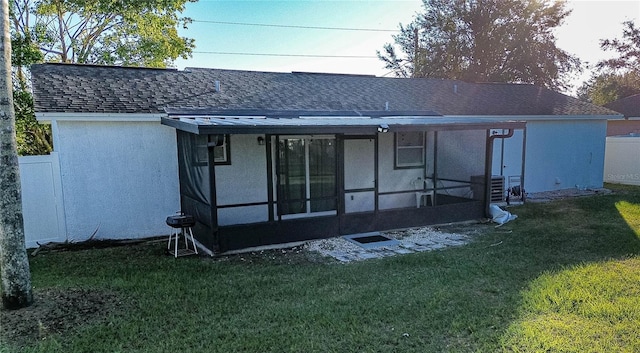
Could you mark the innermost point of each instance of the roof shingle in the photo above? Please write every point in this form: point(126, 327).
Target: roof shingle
point(629, 106)
point(103, 89)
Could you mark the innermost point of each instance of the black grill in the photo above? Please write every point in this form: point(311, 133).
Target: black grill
point(181, 221)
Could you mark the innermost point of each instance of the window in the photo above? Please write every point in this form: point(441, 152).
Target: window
point(221, 153)
point(220, 146)
point(409, 149)
point(307, 176)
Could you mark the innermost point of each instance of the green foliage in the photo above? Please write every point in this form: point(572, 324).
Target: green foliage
point(608, 87)
point(23, 51)
point(32, 137)
point(618, 77)
point(627, 48)
point(105, 32)
point(484, 41)
point(128, 33)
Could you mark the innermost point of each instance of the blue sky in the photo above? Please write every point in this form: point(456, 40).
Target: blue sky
point(589, 22)
point(253, 39)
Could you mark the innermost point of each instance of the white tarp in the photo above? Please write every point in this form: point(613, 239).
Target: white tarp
point(500, 216)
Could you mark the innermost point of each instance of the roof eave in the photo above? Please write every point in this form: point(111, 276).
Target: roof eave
point(543, 117)
point(65, 116)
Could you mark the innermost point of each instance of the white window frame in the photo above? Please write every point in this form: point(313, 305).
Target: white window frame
point(399, 147)
point(202, 150)
point(225, 152)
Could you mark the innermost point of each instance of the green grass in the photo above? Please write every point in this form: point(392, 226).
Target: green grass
point(563, 277)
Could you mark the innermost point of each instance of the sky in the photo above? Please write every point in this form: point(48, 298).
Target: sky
point(222, 31)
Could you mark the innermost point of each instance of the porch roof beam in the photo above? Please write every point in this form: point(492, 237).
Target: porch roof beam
point(332, 125)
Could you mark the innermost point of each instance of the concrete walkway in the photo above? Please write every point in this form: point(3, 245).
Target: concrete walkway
point(408, 241)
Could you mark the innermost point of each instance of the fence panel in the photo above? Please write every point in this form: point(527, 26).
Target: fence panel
point(42, 200)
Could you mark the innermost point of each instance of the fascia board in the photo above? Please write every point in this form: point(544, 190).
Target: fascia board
point(150, 117)
point(540, 117)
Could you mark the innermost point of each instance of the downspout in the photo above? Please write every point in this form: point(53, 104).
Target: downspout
point(524, 154)
point(488, 167)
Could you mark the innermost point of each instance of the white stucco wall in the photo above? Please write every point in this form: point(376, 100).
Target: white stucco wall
point(119, 178)
point(394, 179)
point(561, 154)
point(461, 154)
point(359, 173)
point(243, 181)
point(622, 160)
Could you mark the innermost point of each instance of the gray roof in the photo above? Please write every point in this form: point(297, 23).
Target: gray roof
point(102, 89)
point(629, 106)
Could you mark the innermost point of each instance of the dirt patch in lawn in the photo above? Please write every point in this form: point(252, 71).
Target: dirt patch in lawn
point(56, 311)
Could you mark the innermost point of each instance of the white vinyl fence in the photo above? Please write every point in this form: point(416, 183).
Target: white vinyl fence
point(42, 201)
point(622, 160)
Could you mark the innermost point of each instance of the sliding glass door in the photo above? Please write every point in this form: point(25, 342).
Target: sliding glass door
point(307, 176)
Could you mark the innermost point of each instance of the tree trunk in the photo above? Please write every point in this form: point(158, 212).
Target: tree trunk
point(14, 264)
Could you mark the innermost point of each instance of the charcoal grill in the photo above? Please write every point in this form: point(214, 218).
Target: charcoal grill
point(181, 224)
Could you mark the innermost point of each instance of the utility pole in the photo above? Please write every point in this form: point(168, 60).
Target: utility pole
point(416, 55)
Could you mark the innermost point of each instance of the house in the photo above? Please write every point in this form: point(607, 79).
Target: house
point(622, 158)
point(630, 108)
point(262, 158)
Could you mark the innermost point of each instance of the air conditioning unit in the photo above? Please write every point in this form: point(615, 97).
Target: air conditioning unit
point(497, 187)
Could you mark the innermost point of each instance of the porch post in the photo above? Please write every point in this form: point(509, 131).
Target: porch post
point(340, 207)
point(214, 199)
point(268, 146)
point(377, 175)
point(435, 168)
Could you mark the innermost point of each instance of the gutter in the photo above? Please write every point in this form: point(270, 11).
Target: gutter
point(58, 116)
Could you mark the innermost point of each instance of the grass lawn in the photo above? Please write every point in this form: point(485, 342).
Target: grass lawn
point(563, 277)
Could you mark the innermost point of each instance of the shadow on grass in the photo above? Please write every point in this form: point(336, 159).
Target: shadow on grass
point(490, 295)
point(588, 301)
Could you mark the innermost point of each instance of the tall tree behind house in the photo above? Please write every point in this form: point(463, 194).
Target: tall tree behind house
point(484, 41)
point(618, 77)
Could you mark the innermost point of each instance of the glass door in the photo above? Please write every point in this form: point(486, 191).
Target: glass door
point(307, 176)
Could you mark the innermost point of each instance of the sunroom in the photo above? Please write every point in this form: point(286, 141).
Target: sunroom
point(263, 177)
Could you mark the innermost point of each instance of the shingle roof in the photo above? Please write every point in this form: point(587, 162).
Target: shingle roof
point(629, 106)
point(102, 89)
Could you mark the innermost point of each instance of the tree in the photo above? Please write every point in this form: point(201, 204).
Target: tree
point(14, 264)
point(618, 77)
point(103, 32)
point(484, 41)
point(32, 137)
point(628, 50)
point(604, 88)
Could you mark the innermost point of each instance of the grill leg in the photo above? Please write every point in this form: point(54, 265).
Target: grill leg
point(176, 234)
point(193, 242)
point(175, 250)
point(172, 237)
